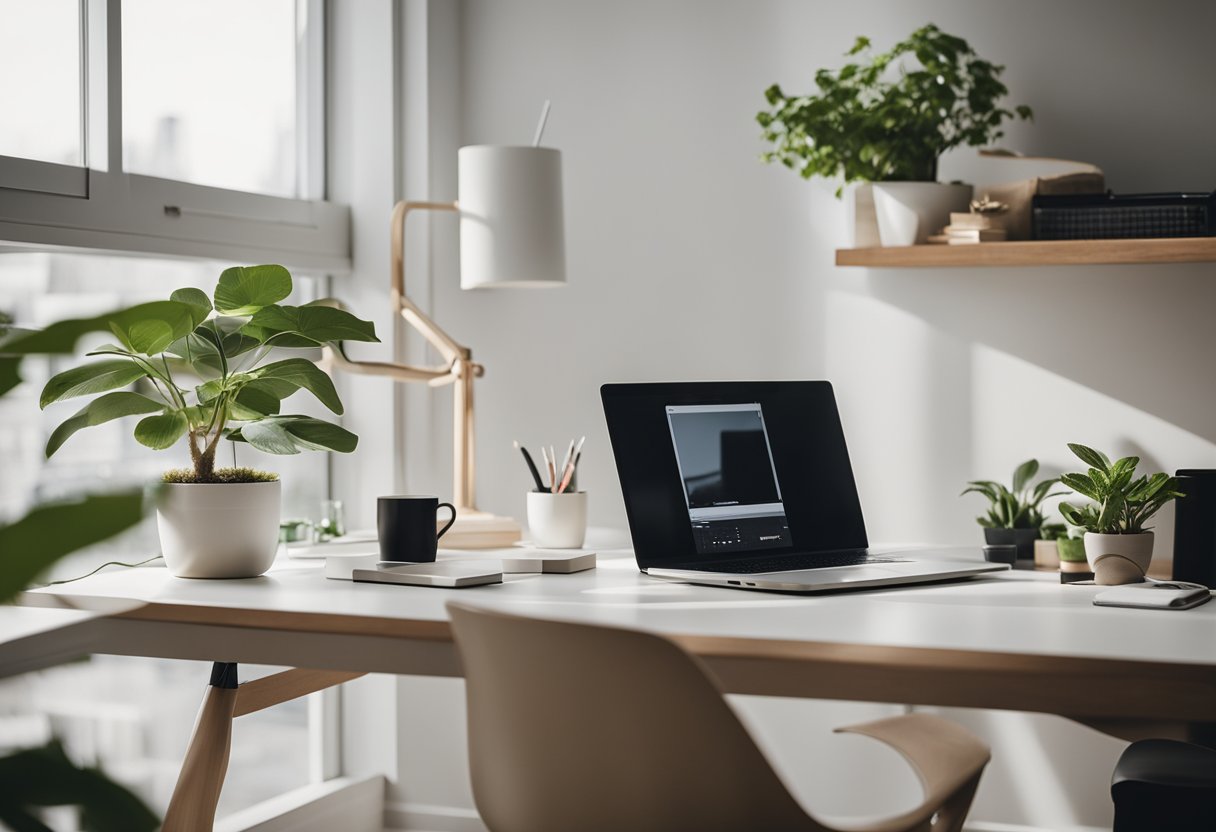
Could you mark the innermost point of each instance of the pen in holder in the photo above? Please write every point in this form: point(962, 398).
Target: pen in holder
point(557, 521)
point(557, 510)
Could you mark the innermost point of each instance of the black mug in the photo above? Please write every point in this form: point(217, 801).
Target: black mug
point(406, 525)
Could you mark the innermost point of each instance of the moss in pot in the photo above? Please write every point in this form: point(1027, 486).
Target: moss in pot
point(1015, 514)
point(1118, 544)
point(201, 368)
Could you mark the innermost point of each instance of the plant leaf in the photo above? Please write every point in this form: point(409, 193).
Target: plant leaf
point(292, 434)
point(243, 290)
point(35, 778)
point(196, 299)
point(10, 373)
point(102, 409)
point(1109, 517)
point(96, 377)
point(307, 326)
point(1092, 458)
point(302, 373)
point(1024, 473)
point(160, 432)
point(32, 544)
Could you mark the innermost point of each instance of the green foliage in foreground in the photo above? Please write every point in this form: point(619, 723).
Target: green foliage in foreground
point(37, 778)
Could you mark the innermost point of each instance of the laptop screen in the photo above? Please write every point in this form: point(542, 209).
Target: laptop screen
point(725, 470)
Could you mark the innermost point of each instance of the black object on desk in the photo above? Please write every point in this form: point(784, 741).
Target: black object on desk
point(406, 526)
point(1195, 527)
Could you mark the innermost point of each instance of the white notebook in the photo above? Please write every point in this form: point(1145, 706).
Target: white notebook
point(1155, 595)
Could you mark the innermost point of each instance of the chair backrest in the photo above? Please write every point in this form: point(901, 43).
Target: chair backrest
point(578, 727)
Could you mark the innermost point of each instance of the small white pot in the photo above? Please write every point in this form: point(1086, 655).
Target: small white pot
point(219, 530)
point(557, 521)
point(1046, 554)
point(860, 218)
point(908, 212)
point(1118, 558)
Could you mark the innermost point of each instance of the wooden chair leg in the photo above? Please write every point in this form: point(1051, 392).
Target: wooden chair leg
point(197, 793)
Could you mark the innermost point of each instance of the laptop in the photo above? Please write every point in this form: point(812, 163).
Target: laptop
point(748, 485)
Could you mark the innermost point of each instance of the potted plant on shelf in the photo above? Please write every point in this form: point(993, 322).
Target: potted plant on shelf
point(203, 365)
point(886, 119)
point(1014, 513)
point(1118, 546)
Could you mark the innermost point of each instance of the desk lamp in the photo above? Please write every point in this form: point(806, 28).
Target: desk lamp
point(509, 200)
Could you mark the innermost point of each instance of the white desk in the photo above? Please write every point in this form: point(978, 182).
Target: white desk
point(1018, 641)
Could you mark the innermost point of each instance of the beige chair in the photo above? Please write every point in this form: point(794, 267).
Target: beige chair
point(579, 728)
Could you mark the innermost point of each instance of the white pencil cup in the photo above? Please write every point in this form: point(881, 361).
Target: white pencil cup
point(557, 521)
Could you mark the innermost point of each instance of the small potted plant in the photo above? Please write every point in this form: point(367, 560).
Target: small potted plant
point(1118, 546)
point(202, 363)
point(886, 119)
point(1014, 513)
point(1071, 550)
point(1046, 547)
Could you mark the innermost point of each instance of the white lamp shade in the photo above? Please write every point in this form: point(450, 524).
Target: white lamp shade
point(511, 227)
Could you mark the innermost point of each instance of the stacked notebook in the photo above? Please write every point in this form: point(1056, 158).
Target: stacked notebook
point(970, 228)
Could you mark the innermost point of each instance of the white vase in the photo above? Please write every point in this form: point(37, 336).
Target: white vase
point(908, 212)
point(219, 530)
point(1118, 558)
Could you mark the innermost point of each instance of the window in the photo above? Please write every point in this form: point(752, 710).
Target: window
point(40, 92)
point(208, 101)
point(204, 140)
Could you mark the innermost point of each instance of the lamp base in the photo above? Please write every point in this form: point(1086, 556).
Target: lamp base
point(480, 530)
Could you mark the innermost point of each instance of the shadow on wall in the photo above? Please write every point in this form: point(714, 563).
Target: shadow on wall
point(1142, 335)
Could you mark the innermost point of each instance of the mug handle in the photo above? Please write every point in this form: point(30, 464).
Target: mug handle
point(450, 522)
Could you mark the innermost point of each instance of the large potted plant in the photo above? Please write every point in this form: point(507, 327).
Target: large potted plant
point(202, 364)
point(887, 118)
point(1118, 544)
point(1015, 514)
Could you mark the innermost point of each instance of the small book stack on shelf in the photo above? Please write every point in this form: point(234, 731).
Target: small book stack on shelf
point(966, 229)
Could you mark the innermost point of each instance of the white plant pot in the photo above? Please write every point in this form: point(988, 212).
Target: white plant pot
point(860, 217)
point(1119, 558)
point(908, 212)
point(219, 530)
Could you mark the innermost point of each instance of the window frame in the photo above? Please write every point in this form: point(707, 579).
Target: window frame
point(101, 207)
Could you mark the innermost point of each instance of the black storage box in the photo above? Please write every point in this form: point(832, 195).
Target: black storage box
point(1110, 216)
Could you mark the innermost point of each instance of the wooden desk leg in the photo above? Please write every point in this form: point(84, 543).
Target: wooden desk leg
point(197, 793)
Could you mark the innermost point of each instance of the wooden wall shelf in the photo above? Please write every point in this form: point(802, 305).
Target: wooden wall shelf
point(1035, 253)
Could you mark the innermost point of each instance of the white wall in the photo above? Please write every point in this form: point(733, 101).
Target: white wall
point(689, 259)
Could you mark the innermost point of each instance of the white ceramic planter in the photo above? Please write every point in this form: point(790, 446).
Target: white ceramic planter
point(860, 218)
point(1118, 558)
point(908, 212)
point(219, 530)
point(557, 521)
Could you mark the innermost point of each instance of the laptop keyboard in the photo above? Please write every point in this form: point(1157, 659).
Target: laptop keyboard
point(787, 563)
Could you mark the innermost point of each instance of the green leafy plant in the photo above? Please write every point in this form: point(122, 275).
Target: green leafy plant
point(1016, 507)
point(1121, 504)
point(202, 362)
point(889, 116)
